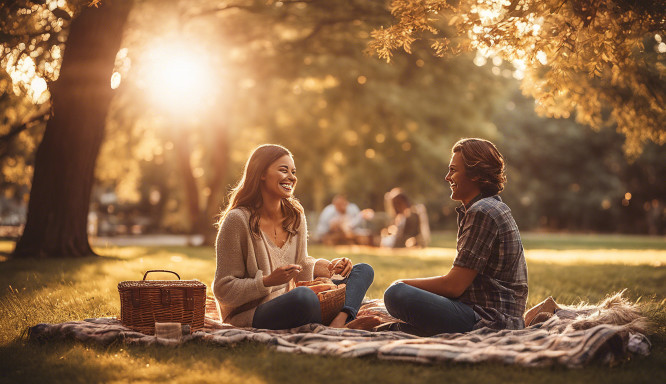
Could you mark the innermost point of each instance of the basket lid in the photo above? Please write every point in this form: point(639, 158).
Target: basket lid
point(161, 284)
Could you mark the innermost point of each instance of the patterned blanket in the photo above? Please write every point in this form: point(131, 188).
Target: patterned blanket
point(608, 332)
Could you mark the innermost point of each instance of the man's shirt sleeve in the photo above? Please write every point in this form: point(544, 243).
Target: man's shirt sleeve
point(475, 240)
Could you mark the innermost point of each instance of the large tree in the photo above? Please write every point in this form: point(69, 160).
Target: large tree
point(65, 159)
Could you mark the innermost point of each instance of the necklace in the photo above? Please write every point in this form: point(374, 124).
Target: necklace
point(270, 223)
point(279, 244)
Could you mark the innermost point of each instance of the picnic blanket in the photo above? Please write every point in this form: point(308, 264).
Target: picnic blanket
point(609, 332)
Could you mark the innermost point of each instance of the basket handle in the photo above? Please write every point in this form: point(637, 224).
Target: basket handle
point(160, 270)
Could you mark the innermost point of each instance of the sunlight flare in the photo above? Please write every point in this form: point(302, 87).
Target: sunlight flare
point(179, 78)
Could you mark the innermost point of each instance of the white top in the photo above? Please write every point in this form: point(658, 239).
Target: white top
point(351, 217)
point(280, 256)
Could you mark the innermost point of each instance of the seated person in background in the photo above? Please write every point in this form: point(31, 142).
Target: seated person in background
point(338, 221)
point(406, 227)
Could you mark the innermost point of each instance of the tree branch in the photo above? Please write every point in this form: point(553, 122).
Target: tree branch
point(227, 7)
point(39, 117)
point(249, 8)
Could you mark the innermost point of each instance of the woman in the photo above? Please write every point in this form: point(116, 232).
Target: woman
point(487, 286)
point(262, 251)
point(407, 226)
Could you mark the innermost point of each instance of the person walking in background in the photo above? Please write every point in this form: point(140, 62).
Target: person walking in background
point(262, 251)
point(487, 286)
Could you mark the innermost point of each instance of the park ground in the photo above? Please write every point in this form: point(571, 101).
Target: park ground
point(571, 268)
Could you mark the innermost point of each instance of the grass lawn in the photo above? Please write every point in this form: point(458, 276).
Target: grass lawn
point(571, 268)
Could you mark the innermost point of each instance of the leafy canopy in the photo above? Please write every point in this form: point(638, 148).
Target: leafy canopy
point(602, 60)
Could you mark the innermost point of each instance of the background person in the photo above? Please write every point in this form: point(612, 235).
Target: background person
point(338, 222)
point(406, 225)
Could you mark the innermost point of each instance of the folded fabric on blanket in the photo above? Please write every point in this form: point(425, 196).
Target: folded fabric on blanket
point(573, 336)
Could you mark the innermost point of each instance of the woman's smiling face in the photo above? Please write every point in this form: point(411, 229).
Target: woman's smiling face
point(279, 179)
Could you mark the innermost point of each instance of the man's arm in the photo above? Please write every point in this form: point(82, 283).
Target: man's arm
point(451, 285)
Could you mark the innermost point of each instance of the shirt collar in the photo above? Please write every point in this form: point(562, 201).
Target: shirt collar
point(474, 200)
point(462, 208)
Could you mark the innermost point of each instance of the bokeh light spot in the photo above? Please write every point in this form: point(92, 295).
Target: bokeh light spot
point(115, 80)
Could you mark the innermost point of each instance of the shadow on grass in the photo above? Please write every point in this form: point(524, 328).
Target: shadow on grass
point(247, 363)
point(20, 273)
point(23, 362)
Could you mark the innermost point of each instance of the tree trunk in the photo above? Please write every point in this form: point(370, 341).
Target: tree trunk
point(201, 219)
point(219, 165)
point(65, 160)
point(189, 182)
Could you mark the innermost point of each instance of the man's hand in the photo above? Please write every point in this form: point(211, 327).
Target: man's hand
point(340, 266)
point(282, 275)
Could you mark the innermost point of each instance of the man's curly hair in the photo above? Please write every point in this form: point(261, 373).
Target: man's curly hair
point(484, 164)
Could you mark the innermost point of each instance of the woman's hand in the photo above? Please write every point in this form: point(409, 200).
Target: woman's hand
point(282, 275)
point(340, 266)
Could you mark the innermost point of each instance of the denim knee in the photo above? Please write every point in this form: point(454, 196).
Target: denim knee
point(365, 270)
point(395, 294)
point(308, 303)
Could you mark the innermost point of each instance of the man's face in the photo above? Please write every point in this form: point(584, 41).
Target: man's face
point(463, 189)
point(340, 204)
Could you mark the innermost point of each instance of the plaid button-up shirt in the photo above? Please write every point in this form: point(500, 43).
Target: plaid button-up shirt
point(489, 242)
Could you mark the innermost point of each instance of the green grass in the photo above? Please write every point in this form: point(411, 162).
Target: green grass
point(563, 241)
point(571, 268)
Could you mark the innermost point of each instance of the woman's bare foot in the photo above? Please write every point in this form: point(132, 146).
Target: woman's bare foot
point(339, 320)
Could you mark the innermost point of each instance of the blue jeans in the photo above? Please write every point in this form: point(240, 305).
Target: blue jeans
point(426, 313)
point(301, 306)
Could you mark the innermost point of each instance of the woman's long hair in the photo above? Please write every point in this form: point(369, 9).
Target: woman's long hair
point(247, 193)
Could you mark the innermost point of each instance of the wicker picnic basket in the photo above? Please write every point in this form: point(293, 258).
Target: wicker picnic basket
point(146, 302)
point(331, 302)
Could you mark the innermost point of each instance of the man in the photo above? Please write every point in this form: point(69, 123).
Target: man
point(337, 222)
point(487, 286)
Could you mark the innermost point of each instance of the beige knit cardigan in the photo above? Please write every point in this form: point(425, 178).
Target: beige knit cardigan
point(243, 261)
